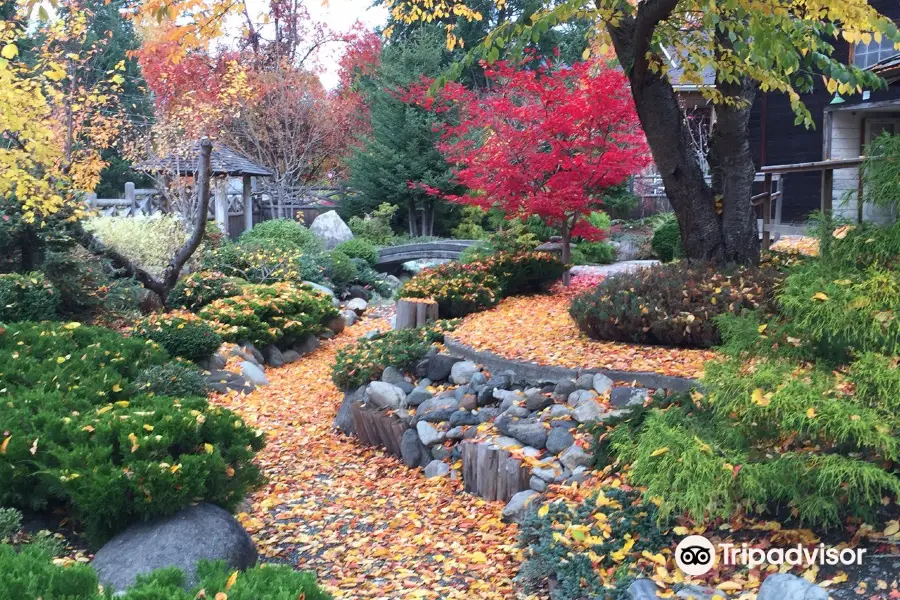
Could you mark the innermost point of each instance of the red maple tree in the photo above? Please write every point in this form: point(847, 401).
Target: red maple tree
point(543, 141)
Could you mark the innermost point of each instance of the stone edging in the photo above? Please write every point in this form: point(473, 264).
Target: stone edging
point(533, 372)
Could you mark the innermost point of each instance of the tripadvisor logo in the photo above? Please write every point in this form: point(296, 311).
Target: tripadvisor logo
point(695, 555)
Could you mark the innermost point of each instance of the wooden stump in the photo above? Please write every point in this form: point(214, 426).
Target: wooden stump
point(413, 312)
point(492, 473)
point(378, 428)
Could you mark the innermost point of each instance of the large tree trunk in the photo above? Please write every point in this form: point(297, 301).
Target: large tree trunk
point(706, 235)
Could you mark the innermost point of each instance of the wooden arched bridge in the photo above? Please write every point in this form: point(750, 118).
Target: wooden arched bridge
point(392, 257)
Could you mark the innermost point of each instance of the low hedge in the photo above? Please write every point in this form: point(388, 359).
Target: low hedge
point(360, 248)
point(673, 305)
point(181, 333)
point(279, 313)
point(464, 288)
point(283, 233)
point(199, 289)
point(366, 360)
point(80, 435)
point(29, 297)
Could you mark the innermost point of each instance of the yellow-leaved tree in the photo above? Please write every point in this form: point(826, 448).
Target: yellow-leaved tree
point(744, 46)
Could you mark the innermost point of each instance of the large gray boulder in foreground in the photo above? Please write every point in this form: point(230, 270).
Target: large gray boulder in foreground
point(195, 533)
point(331, 230)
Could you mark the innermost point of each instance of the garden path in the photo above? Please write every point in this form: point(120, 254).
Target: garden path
point(366, 524)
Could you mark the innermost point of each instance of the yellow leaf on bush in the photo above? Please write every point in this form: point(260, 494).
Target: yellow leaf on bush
point(542, 511)
point(9, 52)
point(762, 327)
point(893, 528)
point(659, 451)
point(820, 296)
point(4, 445)
point(117, 388)
point(134, 445)
point(72, 325)
point(811, 412)
point(208, 447)
point(221, 596)
point(231, 580)
point(757, 398)
point(680, 530)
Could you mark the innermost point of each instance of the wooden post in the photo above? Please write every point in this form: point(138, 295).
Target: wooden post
point(222, 205)
point(248, 203)
point(827, 190)
point(130, 199)
point(415, 313)
point(767, 212)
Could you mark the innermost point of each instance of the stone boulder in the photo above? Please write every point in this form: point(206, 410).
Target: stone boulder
point(222, 382)
point(518, 505)
point(357, 305)
point(558, 440)
point(350, 317)
point(412, 451)
point(628, 396)
point(782, 586)
point(429, 434)
point(462, 372)
point(343, 421)
point(306, 345)
point(337, 324)
point(418, 396)
point(175, 542)
point(536, 400)
point(440, 365)
point(589, 410)
point(602, 383)
point(437, 468)
point(273, 356)
point(330, 228)
point(385, 395)
point(254, 373)
point(529, 432)
point(437, 409)
point(575, 457)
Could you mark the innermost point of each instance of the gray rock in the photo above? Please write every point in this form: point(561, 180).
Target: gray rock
point(343, 421)
point(330, 228)
point(518, 505)
point(642, 589)
point(461, 391)
point(585, 382)
point(502, 441)
point(575, 457)
point(558, 440)
point(530, 433)
point(440, 453)
point(429, 434)
point(418, 396)
point(326, 334)
point(579, 475)
point(468, 402)
point(485, 395)
point(223, 382)
point(440, 365)
point(462, 372)
point(602, 383)
point(488, 413)
point(628, 396)
point(589, 410)
point(254, 373)
point(437, 468)
point(579, 396)
point(518, 412)
point(536, 400)
point(306, 345)
point(216, 362)
point(172, 542)
point(548, 472)
point(437, 409)
point(273, 356)
point(324, 290)
point(558, 410)
point(537, 484)
point(350, 317)
point(463, 417)
point(456, 433)
point(290, 356)
point(406, 386)
point(392, 375)
point(357, 305)
point(358, 291)
point(507, 398)
point(500, 380)
point(337, 324)
point(564, 388)
point(424, 382)
point(782, 586)
point(412, 450)
point(566, 424)
point(478, 378)
point(385, 395)
point(371, 335)
point(250, 349)
point(421, 368)
point(696, 592)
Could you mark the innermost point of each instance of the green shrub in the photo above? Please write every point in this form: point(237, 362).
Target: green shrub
point(175, 379)
point(593, 253)
point(375, 227)
point(81, 436)
point(340, 270)
point(279, 313)
point(281, 233)
point(366, 360)
point(181, 333)
point(666, 240)
point(514, 239)
point(358, 248)
point(10, 523)
point(881, 170)
point(30, 573)
point(265, 261)
point(673, 305)
point(199, 289)
point(369, 277)
point(28, 297)
point(619, 202)
point(575, 542)
point(471, 227)
point(149, 242)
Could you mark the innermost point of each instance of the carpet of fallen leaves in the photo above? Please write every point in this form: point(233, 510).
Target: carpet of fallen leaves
point(539, 329)
point(366, 524)
point(802, 245)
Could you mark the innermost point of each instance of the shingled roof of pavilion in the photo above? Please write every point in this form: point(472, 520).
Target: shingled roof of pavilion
point(224, 161)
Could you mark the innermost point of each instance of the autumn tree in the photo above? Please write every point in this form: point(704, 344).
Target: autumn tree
point(748, 46)
point(545, 141)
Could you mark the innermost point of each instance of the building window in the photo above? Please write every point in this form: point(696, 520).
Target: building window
point(866, 55)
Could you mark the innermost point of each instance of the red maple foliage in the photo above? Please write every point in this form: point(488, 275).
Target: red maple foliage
point(543, 141)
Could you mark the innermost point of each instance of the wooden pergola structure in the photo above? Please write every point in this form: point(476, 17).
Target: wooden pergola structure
point(225, 163)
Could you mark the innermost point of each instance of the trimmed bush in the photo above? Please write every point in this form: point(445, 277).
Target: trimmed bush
point(666, 241)
point(181, 333)
point(176, 379)
point(199, 289)
point(28, 297)
point(375, 227)
point(149, 242)
point(359, 248)
point(280, 313)
point(81, 436)
point(367, 359)
point(281, 233)
point(464, 288)
point(30, 573)
point(265, 261)
point(672, 305)
point(340, 270)
point(593, 253)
